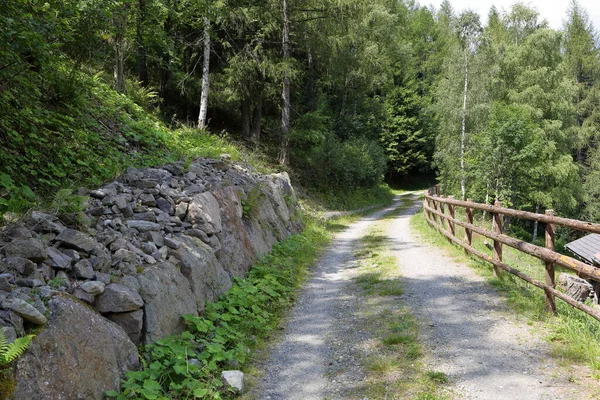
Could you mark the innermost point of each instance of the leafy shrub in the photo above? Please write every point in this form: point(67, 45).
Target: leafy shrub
point(349, 164)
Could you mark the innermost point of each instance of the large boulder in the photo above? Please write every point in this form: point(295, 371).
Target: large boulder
point(203, 213)
point(79, 355)
point(167, 296)
point(207, 278)
point(237, 254)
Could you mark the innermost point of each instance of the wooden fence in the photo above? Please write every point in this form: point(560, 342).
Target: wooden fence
point(440, 213)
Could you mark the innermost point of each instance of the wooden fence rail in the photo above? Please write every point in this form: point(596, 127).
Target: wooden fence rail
point(435, 214)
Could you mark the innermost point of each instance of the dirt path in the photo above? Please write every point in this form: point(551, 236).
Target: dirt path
point(487, 353)
point(471, 337)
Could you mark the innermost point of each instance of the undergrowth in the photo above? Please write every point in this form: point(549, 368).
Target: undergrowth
point(190, 365)
point(574, 336)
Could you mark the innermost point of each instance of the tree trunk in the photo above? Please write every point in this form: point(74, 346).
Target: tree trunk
point(256, 120)
point(120, 21)
point(463, 131)
point(535, 225)
point(205, 72)
point(245, 109)
point(141, 48)
point(284, 157)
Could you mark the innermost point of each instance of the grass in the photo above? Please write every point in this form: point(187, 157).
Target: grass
point(393, 361)
point(573, 335)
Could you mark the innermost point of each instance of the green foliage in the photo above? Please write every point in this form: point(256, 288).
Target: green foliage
point(11, 351)
point(355, 163)
point(250, 205)
point(189, 365)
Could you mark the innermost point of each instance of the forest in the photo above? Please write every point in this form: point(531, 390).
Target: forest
point(342, 93)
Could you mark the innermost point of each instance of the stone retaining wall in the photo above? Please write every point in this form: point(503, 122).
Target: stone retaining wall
point(159, 243)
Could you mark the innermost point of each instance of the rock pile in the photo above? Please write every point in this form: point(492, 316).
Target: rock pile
point(159, 243)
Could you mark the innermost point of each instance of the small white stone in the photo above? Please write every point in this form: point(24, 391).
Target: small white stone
point(235, 379)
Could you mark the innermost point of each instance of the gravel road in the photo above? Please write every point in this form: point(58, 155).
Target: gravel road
point(486, 352)
point(297, 366)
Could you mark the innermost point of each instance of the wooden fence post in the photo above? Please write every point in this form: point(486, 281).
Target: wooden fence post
point(451, 212)
point(550, 276)
point(435, 207)
point(497, 222)
point(443, 220)
point(468, 232)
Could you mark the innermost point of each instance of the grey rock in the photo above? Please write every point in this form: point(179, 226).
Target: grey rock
point(204, 213)
point(46, 223)
point(145, 216)
point(234, 379)
point(21, 265)
point(84, 296)
point(83, 269)
point(149, 248)
point(181, 210)
point(12, 319)
point(131, 282)
point(74, 254)
point(143, 226)
point(101, 263)
point(27, 312)
point(164, 205)
point(118, 298)
point(131, 322)
point(156, 238)
point(167, 296)
point(10, 333)
point(118, 244)
point(148, 200)
point(125, 256)
point(149, 259)
point(74, 360)
point(59, 260)
point(77, 239)
point(46, 292)
point(172, 243)
point(102, 277)
point(93, 287)
point(32, 249)
point(207, 278)
point(6, 282)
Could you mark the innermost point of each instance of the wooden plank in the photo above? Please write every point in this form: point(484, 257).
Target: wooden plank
point(550, 275)
point(567, 222)
point(582, 269)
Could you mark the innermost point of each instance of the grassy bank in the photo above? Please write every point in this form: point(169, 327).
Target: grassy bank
point(573, 335)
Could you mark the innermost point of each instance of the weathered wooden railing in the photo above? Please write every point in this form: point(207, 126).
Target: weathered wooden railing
point(435, 212)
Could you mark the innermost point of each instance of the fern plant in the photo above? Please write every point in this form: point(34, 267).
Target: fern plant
point(11, 351)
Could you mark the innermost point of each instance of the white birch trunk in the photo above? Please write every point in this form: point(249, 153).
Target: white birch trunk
point(463, 131)
point(285, 95)
point(205, 74)
point(535, 225)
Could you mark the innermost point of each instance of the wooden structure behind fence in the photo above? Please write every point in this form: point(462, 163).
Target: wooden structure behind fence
point(445, 221)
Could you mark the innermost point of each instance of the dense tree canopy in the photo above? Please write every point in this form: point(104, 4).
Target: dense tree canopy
point(346, 92)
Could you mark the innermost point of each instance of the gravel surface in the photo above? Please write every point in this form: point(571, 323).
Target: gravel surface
point(297, 366)
point(465, 327)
